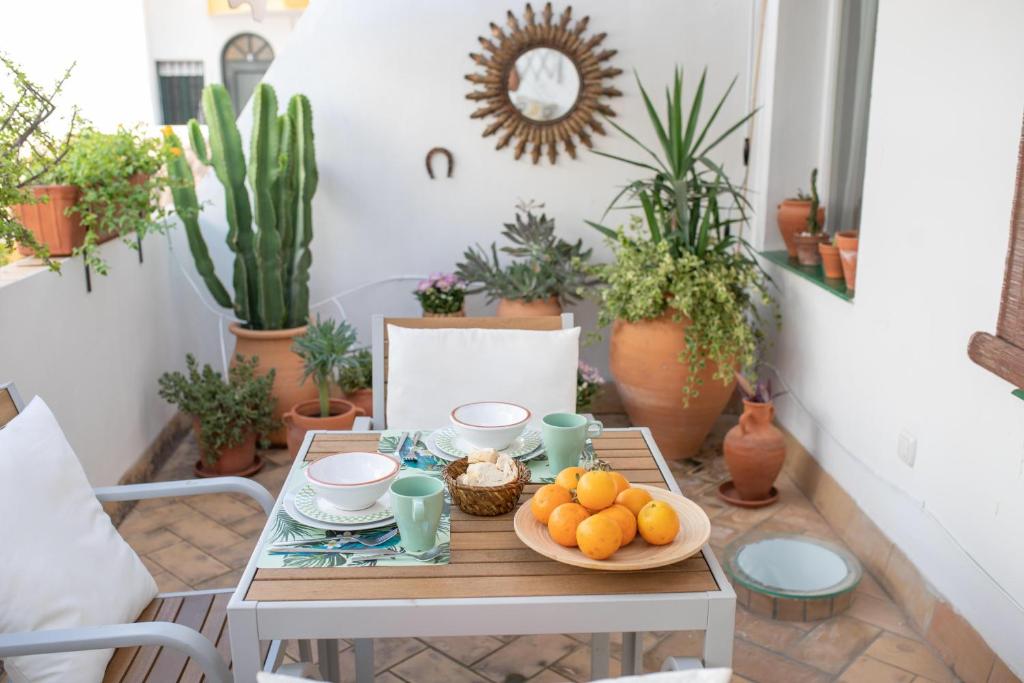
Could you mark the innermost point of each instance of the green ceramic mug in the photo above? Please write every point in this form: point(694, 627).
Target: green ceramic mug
point(564, 436)
point(417, 502)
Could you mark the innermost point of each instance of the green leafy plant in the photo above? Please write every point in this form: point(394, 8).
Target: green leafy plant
point(272, 260)
point(441, 293)
point(813, 224)
point(546, 266)
point(325, 350)
point(32, 142)
point(228, 412)
point(358, 372)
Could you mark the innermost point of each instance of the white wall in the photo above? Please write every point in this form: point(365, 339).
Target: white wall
point(942, 149)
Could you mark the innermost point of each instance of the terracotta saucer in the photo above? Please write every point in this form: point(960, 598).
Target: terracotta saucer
point(727, 492)
point(252, 469)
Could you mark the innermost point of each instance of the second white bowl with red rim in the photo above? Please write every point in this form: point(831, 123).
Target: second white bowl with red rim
point(490, 424)
point(352, 481)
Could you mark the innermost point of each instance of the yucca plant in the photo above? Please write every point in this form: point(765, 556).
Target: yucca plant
point(325, 351)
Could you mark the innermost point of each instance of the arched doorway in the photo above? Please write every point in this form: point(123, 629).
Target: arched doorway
point(245, 59)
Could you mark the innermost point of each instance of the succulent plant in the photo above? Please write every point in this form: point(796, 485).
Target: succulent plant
point(324, 349)
point(813, 224)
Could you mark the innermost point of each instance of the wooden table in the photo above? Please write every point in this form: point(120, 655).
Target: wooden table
point(494, 585)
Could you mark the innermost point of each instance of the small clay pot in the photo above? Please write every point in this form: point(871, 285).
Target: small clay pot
point(792, 218)
point(456, 314)
point(830, 261)
point(516, 308)
point(754, 451)
point(232, 461)
point(305, 416)
point(848, 243)
point(807, 248)
point(362, 399)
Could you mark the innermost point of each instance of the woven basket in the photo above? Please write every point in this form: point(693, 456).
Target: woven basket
point(484, 501)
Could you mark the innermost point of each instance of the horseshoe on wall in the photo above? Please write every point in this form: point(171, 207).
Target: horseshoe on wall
point(447, 154)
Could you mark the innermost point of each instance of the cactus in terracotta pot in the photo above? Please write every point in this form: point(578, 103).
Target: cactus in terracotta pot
point(807, 241)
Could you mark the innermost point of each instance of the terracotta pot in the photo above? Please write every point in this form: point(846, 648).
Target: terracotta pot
point(47, 220)
point(274, 349)
point(305, 416)
point(516, 308)
point(807, 253)
point(848, 243)
point(792, 218)
point(830, 261)
point(231, 461)
point(650, 379)
point(456, 314)
point(754, 451)
point(362, 399)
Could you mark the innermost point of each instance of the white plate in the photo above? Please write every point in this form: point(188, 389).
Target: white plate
point(289, 507)
point(436, 451)
point(447, 441)
point(313, 506)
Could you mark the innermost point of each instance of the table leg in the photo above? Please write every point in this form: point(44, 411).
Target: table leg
point(245, 644)
point(364, 659)
point(632, 654)
point(305, 651)
point(719, 634)
point(328, 654)
point(599, 653)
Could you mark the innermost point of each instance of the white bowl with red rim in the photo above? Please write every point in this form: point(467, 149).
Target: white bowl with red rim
point(490, 424)
point(352, 481)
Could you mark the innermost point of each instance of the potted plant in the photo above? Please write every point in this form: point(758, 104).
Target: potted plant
point(830, 262)
point(754, 449)
point(442, 296)
point(808, 239)
point(356, 380)
point(680, 294)
point(848, 242)
point(325, 351)
point(589, 383)
point(228, 417)
point(548, 272)
point(793, 216)
point(269, 235)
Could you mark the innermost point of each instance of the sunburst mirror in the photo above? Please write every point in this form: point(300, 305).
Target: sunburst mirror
point(543, 83)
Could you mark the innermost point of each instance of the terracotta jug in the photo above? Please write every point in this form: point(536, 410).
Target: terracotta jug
point(754, 451)
point(516, 308)
point(650, 378)
point(792, 218)
point(305, 416)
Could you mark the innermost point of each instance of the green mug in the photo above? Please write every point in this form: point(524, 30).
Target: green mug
point(417, 502)
point(564, 435)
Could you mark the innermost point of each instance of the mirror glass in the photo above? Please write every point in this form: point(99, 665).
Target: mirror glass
point(544, 84)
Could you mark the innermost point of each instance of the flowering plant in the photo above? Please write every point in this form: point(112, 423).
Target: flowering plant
point(588, 385)
point(442, 293)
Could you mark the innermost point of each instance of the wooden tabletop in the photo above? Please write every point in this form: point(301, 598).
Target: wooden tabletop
point(487, 558)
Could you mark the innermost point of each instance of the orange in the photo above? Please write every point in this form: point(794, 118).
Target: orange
point(625, 519)
point(658, 523)
point(598, 537)
point(633, 499)
point(621, 483)
point(563, 521)
point(568, 477)
point(546, 499)
point(596, 490)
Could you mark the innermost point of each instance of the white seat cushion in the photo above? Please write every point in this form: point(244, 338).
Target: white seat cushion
point(65, 565)
point(431, 371)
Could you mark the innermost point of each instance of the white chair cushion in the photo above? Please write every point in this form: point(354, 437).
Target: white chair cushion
point(65, 565)
point(693, 676)
point(431, 371)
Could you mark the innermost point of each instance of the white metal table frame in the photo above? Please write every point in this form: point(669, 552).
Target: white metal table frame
point(713, 612)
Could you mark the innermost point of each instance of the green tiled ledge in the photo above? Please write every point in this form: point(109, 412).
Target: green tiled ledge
point(1019, 393)
point(813, 274)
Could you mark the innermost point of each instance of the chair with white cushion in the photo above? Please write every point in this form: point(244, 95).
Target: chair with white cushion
point(76, 602)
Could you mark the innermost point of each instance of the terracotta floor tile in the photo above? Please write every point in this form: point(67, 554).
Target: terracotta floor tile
point(220, 508)
point(465, 650)
point(1001, 673)
point(911, 655)
point(272, 478)
point(768, 633)
point(548, 676)
point(228, 580)
point(144, 542)
point(138, 521)
point(251, 526)
point(169, 583)
point(430, 665)
point(188, 563)
point(744, 519)
point(236, 555)
point(575, 666)
point(525, 656)
point(833, 644)
point(957, 642)
point(869, 586)
point(387, 677)
point(765, 666)
point(677, 644)
point(203, 532)
point(882, 613)
point(868, 670)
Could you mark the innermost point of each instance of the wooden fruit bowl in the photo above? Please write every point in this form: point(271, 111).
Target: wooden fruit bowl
point(694, 531)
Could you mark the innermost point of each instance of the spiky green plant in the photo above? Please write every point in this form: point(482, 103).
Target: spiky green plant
point(813, 224)
point(325, 351)
point(272, 260)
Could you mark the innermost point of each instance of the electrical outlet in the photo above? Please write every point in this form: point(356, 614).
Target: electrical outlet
point(906, 448)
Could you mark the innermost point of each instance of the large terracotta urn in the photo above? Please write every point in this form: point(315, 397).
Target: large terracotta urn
point(517, 308)
point(362, 399)
point(754, 451)
point(274, 349)
point(650, 379)
point(792, 217)
point(305, 416)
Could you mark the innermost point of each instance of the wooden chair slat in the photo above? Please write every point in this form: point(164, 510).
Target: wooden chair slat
point(170, 663)
point(8, 406)
point(123, 656)
point(138, 672)
point(214, 624)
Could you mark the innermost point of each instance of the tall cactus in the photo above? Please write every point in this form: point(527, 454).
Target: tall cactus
point(271, 271)
point(813, 225)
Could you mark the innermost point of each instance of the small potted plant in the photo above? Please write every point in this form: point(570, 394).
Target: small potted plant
point(830, 262)
point(546, 274)
point(442, 295)
point(807, 241)
point(325, 351)
point(754, 449)
point(848, 242)
point(589, 384)
point(356, 380)
point(228, 417)
point(794, 215)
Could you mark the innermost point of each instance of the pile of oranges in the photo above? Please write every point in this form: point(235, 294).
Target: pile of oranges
point(606, 514)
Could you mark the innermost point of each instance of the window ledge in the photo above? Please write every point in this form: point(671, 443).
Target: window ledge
point(813, 274)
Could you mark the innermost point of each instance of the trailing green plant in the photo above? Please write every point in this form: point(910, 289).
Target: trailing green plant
point(272, 259)
point(813, 224)
point(325, 350)
point(441, 293)
point(546, 265)
point(358, 372)
point(228, 412)
point(32, 142)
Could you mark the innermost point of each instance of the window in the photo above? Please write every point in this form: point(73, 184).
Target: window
point(246, 58)
point(181, 87)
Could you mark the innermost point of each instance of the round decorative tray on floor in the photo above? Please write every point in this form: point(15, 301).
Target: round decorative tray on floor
point(792, 578)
